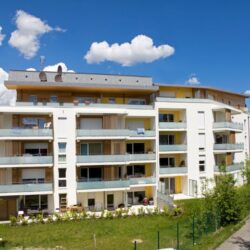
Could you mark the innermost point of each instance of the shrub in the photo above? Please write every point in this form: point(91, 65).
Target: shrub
point(13, 221)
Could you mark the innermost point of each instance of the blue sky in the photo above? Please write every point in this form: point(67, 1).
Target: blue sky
point(211, 39)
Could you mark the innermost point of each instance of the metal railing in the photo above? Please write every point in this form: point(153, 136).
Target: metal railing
point(228, 125)
point(175, 147)
point(229, 146)
point(173, 170)
point(23, 132)
point(172, 125)
point(115, 158)
point(113, 132)
point(30, 187)
point(22, 160)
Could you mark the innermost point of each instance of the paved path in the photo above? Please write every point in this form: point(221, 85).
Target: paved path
point(240, 240)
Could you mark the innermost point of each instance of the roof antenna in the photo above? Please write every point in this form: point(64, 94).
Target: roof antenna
point(42, 62)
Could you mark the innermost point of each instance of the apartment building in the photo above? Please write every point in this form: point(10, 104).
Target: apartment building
point(107, 141)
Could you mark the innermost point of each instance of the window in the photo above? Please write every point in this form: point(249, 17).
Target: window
point(201, 120)
point(86, 99)
point(36, 149)
point(34, 202)
point(62, 172)
point(135, 198)
point(166, 117)
point(53, 99)
point(91, 202)
point(92, 173)
point(202, 165)
point(137, 101)
point(136, 171)
point(62, 177)
point(62, 152)
point(62, 147)
point(29, 122)
point(135, 148)
point(167, 139)
point(202, 141)
point(32, 98)
point(167, 162)
point(91, 149)
point(62, 158)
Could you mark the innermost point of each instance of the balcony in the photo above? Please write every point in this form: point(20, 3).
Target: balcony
point(115, 184)
point(231, 168)
point(25, 134)
point(172, 126)
point(25, 188)
point(220, 126)
point(229, 147)
point(173, 148)
point(14, 161)
point(114, 159)
point(45, 105)
point(173, 170)
point(117, 133)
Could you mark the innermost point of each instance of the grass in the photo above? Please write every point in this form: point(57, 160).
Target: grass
point(116, 234)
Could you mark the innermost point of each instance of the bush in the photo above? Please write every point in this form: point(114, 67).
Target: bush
point(13, 221)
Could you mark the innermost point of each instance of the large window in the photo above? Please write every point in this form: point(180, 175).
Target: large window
point(166, 117)
point(135, 148)
point(167, 162)
point(167, 139)
point(91, 149)
point(29, 122)
point(36, 149)
point(136, 171)
point(34, 202)
point(93, 173)
point(135, 198)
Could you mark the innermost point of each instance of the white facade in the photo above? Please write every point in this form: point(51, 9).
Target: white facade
point(178, 154)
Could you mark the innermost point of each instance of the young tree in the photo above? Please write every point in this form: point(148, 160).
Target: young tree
point(222, 201)
point(246, 171)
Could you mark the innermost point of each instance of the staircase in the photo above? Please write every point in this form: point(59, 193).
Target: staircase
point(164, 200)
point(63, 203)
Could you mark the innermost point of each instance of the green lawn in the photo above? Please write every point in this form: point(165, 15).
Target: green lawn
point(112, 234)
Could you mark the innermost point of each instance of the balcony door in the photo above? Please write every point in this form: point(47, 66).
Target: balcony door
point(167, 139)
point(91, 149)
point(135, 148)
point(170, 186)
point(110, 201)
point(36, 149)
point(91, 123)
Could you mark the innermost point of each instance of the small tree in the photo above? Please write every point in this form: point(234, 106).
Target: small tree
point(222, 201)
point(246, 171)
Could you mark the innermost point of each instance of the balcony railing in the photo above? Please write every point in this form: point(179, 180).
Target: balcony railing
point(228, 125)
point(113, 132)
point(23, 132)
point(173, 170)
point(23, 160)
point(175, 147)
point(172, 125)
point(92, 105)
point(227, 146)
point(23, 188)
point(114, 158)
point(231, 168)
point(121, 183)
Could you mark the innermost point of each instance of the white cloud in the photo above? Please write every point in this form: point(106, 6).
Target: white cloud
point(141, 49)
point(247, 92)
point(29, 29)
point(31, 69)
point(193, 80)
point(53, 68)
point(2, 36)
point(7, 97)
